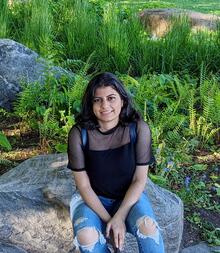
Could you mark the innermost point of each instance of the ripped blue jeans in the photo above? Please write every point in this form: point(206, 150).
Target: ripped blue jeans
point(140, 222)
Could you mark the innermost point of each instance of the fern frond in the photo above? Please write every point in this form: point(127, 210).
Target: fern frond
point(204, 89)
point(199, 124)
point(202, 76)
point(174, 137)
point(6, 162)
point(212, 133)
point(192, 114)
point(207, 107)
point(205, 129)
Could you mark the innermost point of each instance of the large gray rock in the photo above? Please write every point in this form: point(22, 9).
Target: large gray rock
point(159, 21)
point(34, 209)
point(20, 64)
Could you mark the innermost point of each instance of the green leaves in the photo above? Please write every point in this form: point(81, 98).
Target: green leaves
point(4, 143)
point(157, 179)
point(61, 148)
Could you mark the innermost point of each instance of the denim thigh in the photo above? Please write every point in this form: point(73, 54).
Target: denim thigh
point(141, 208)
point(147, 243)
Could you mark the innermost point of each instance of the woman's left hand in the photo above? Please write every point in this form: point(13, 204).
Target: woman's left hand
point(116, 226)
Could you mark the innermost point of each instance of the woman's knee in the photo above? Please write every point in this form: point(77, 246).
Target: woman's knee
point(148, 228)
point(88, 237)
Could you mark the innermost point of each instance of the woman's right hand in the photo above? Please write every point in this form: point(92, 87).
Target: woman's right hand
point(116, 229)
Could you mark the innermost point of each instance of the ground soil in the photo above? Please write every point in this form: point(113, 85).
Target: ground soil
point(26, 143)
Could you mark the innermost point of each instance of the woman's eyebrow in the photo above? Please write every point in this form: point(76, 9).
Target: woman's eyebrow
point(111, 95)
point(106, 96)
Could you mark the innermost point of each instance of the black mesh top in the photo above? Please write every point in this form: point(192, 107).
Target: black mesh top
point(110, 159)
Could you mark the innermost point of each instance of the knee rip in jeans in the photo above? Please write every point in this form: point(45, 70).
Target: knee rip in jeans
point(87, 237)
point(148, 228)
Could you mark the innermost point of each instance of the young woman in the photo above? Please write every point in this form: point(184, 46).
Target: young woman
point(110, 163)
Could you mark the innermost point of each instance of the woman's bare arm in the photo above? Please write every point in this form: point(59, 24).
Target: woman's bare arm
point(89, 196)
point(134, 191)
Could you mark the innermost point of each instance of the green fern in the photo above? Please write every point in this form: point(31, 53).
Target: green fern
point(210, 100)
point(76, 92)
point(4, 143)
point(175, 137)
point(29, 98)
point(208, 105)
point(203, 74)
point(200, 126)
point(215, 114)
point(49, 127)
point(192, 114)
point(6, 162)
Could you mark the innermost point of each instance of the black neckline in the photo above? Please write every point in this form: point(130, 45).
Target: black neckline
point(110, 131)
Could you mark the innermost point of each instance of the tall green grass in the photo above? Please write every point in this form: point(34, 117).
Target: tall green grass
point(81, 29)
point(113, 49)
point(38, 29)
point(111, 37)
point(4, 18)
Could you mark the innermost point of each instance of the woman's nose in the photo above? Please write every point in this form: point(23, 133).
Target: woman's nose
point(104, 103)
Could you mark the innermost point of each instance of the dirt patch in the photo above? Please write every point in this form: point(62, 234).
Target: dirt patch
point(191, 236)
point(25, 143)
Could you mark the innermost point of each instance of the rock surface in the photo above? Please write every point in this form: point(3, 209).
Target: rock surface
point(158, 21)
point(34, 212)
point(200, 248)
point(8, 248)
point(19, 64)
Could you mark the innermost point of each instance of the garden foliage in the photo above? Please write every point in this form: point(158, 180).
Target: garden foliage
point(174, 82)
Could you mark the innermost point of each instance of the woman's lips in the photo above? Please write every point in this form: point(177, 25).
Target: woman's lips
point(106, 113)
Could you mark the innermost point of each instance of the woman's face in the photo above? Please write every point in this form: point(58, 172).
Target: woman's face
point(107, 105)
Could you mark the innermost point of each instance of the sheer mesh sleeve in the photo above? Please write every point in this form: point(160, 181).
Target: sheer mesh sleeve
point(75, 152)
point(143, 145)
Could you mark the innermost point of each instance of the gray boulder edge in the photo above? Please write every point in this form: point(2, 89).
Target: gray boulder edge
point(201, 247)
point(20, 64)
point(34, 212)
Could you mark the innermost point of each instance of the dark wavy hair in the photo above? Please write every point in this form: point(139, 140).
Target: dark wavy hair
point(87, 119)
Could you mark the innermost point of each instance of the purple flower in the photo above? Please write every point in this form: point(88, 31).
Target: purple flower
point(213, 189)
point(187, 183)
point(203, 177)
point(166, 169)
point(170, 164)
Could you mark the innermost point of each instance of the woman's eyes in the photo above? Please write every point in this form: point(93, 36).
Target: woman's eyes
point(96, 100)
point(100, 100)
point(111, 99)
